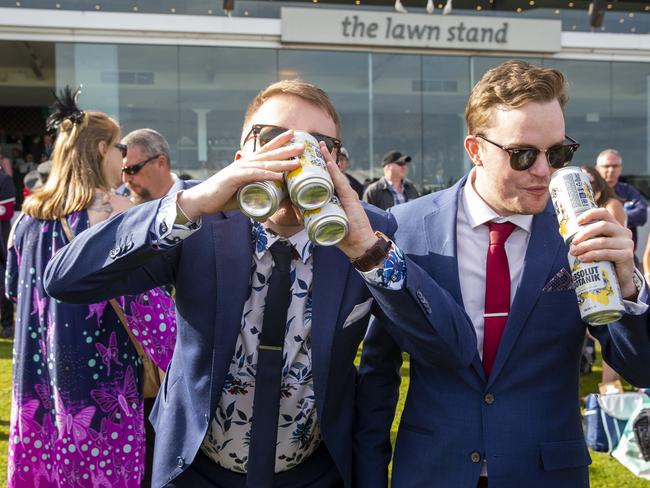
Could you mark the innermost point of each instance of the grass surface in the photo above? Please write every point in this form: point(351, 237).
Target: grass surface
point(5, 404)
point(605, 471)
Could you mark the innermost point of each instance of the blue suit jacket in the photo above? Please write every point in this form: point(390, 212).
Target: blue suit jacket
point(525, 419)
point(211, 271)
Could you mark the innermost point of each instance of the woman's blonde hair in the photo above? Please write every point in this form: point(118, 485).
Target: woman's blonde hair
point(77, 167)
point(512, 84)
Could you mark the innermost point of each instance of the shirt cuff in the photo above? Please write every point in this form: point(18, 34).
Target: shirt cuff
point(640, 306)
point(166, 233)
point(392, 274)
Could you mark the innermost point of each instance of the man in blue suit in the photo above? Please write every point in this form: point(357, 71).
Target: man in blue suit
point(260, 391)
point(511, 418)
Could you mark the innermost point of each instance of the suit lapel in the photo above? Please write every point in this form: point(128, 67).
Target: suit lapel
point(231, 237)
point(444, 262)
point(542, 249)
point(330, 271)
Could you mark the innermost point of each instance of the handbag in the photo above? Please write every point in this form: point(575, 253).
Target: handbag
point(606, 417)
point(152, 375)
point(631, 450)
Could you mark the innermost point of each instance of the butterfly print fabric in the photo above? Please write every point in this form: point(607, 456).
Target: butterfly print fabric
point(77, 409)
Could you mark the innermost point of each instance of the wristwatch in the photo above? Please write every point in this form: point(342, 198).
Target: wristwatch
point(374, 255)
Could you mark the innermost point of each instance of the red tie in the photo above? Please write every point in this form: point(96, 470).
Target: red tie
point(497, 292)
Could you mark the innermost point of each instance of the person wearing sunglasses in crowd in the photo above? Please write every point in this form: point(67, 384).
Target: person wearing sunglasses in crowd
point(512, 417)
point(261, 388)
point(393, 188)
point(77, 414)
point(146, 170)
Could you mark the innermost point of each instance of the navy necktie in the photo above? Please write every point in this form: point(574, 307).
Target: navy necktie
point(268, 376)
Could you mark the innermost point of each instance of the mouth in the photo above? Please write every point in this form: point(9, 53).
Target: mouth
point(537, 190)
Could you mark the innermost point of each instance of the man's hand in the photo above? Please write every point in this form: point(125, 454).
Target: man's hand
point(360, 234)
point(603, 239)
point(218, 192)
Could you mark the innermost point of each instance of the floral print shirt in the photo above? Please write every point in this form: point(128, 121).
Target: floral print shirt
point(228, 437)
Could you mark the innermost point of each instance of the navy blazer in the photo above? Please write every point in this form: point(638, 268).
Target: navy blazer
point(525, 418)
point(211, 271)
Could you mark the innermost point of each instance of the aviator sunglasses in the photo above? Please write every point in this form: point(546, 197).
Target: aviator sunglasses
point(135, 168)
point(265, 133)
point(522, 158)
point(122, 148)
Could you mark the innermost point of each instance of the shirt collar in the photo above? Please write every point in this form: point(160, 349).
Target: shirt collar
point(263, 238)
point(478, 212)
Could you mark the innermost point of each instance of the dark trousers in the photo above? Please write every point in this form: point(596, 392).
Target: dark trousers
point(319, 471)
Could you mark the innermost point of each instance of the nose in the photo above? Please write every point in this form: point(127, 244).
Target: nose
point(541, 167)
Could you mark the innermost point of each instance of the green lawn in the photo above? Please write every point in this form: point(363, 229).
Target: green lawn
point(605, 471)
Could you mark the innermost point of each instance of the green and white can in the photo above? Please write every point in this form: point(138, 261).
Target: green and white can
point(327, 225)
point(261, 199)
point(598, 291)
point(310, 185)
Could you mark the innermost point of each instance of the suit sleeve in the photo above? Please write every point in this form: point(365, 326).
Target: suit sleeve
point(110, 259)
point(426, 320)
point(377, 396)
point(626, 347)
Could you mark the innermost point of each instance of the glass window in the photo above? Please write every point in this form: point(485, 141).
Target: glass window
point(216, 86)
point(397, 111)
point(344, 76)
point(444, 86)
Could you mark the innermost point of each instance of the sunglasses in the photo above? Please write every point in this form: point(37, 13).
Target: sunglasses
point(265, 133)
point(522, 158)
point(122, 148)
point(135, 168)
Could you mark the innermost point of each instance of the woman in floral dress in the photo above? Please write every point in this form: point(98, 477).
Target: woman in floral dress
point(77, 408)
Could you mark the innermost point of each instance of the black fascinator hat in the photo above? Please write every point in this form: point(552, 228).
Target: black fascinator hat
point(65, 107)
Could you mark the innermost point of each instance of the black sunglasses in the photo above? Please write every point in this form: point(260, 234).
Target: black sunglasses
point(122, 148)
point(265, 133)
point(522, 158)
point(135, 168)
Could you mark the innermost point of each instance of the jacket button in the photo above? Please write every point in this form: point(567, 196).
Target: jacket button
point(475, 457)
point(489, 398)
point(180, 462)
point(114, 253)
point(420, 295)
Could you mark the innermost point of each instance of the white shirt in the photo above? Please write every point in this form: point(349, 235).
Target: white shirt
point(473, 214)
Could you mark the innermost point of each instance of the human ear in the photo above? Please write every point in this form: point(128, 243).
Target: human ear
point(103, 148)
point(473, 149)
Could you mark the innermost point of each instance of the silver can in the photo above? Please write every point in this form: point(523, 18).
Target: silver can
point(261, 199)
point(327, 225)
point(598, 291)
point(310, 185)
point(572, 196)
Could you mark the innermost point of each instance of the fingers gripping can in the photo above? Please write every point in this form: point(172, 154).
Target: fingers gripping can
point(598, 291)
point(571, 195)
point(261, 199)
point(327, 225)
point(596, 283)
point(310, 185)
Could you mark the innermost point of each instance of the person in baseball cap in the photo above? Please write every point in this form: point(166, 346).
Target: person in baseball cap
point(393, 188)
point(344, 159)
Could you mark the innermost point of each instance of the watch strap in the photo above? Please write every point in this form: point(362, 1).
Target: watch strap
point(374, 255)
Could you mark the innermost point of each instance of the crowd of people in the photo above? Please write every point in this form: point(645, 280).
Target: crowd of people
point(116, 261)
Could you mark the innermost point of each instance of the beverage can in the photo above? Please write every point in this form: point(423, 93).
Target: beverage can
point(261, 199)
point(309, 185)
point(327, 225)
point(598, 291)
point(571, 195)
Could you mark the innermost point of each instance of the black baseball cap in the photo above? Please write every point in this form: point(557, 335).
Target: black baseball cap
point(395, 157)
